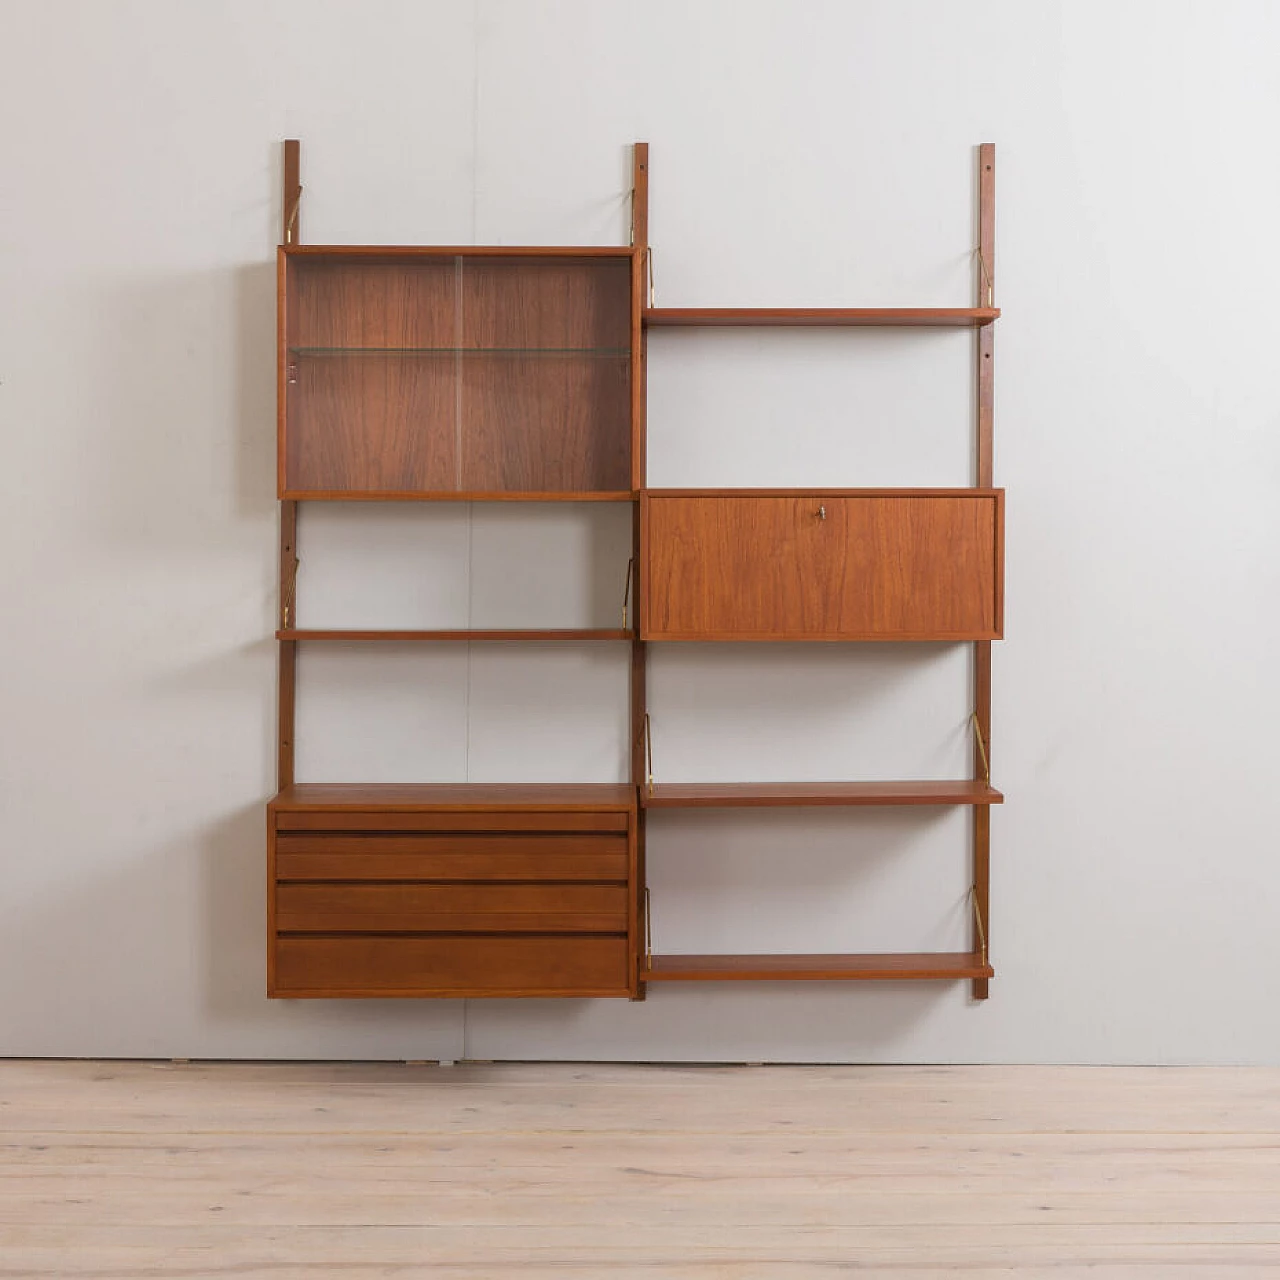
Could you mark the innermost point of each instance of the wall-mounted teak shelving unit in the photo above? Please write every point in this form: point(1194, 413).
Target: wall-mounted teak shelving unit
point(478, 374)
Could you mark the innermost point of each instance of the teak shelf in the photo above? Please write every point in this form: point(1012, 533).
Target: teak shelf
point(818, 317)
point(750, 795)
point(531, 635)
point(884, 967)
point(471, 373)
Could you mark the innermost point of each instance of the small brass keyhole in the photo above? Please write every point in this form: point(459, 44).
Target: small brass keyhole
point(822, 513)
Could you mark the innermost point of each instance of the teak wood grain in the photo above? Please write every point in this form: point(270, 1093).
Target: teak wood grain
point(438, 372)
point(469, 858)
point(728, 795)
point(518, 374)
point(458, 495)
point(985, 379)
point(382, 799)
point(460, 965)
point(452, 908)
point(540, 423)
point(816, 565)
point(819, 317)
point(386, 423)
point(889, 967)
point(532, 635)
point(454, 820)
point(452, 890)
point(405, 254)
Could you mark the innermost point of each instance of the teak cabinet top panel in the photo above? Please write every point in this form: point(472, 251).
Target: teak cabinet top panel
point(460, 796)
point(823, 565)
point(409, 252)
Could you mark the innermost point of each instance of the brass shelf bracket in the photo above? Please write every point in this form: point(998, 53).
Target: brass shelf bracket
point(626, 592)
point(291, 593)
point(648, 928)
point(648, 253)
point(986, 276)
point(982, 748)
point(293, 216)
point(977, 920)
point(648, 751)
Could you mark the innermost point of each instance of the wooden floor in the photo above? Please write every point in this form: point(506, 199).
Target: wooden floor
point(139, 1170)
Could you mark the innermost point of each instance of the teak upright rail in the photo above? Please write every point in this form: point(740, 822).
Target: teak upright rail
point(471, 373)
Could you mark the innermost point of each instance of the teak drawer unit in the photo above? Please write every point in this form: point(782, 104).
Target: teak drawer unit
point(462, 901)
point(922, 564)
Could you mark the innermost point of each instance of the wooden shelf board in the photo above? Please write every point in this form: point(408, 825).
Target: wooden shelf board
point(819, 317)
point(447, 495)
point(902, 966)
point(728, 795)
point(823, 491)
point(561, 634)
point(407, 797)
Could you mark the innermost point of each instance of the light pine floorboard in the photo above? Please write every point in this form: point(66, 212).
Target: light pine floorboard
point(137, 1170)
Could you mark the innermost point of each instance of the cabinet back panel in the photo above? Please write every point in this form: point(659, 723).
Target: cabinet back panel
point(520, 303)
point(370, 422)
point(552, 423)
point(799, 566)
point(374, 304)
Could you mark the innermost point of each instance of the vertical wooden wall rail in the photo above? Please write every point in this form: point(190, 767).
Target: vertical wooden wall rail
point(290, 233)
point(288, 648)
point(984, 480)
point(290, 205)
point(639, 658)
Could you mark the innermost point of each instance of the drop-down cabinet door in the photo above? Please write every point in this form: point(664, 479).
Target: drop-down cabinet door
point(921, 564)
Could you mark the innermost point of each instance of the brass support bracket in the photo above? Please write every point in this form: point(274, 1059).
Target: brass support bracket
point(977, 920)
point(648, 253)
point(986, 276)
point(648, 929)
point(291, 593)
point(293, 215)
point(626, 592)
point(982, 747)
point(648, 751)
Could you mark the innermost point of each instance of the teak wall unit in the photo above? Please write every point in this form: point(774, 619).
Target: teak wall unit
point(498, 374)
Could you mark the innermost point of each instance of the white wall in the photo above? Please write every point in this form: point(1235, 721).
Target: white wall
point(804, 152)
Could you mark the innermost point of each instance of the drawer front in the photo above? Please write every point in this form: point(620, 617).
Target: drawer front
point(365, 856)
point(451, 966)
point(384, 820)
point(894, 566)
point(465, 908)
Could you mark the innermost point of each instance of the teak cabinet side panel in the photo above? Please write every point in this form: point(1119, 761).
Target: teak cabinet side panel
point(824, 566)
